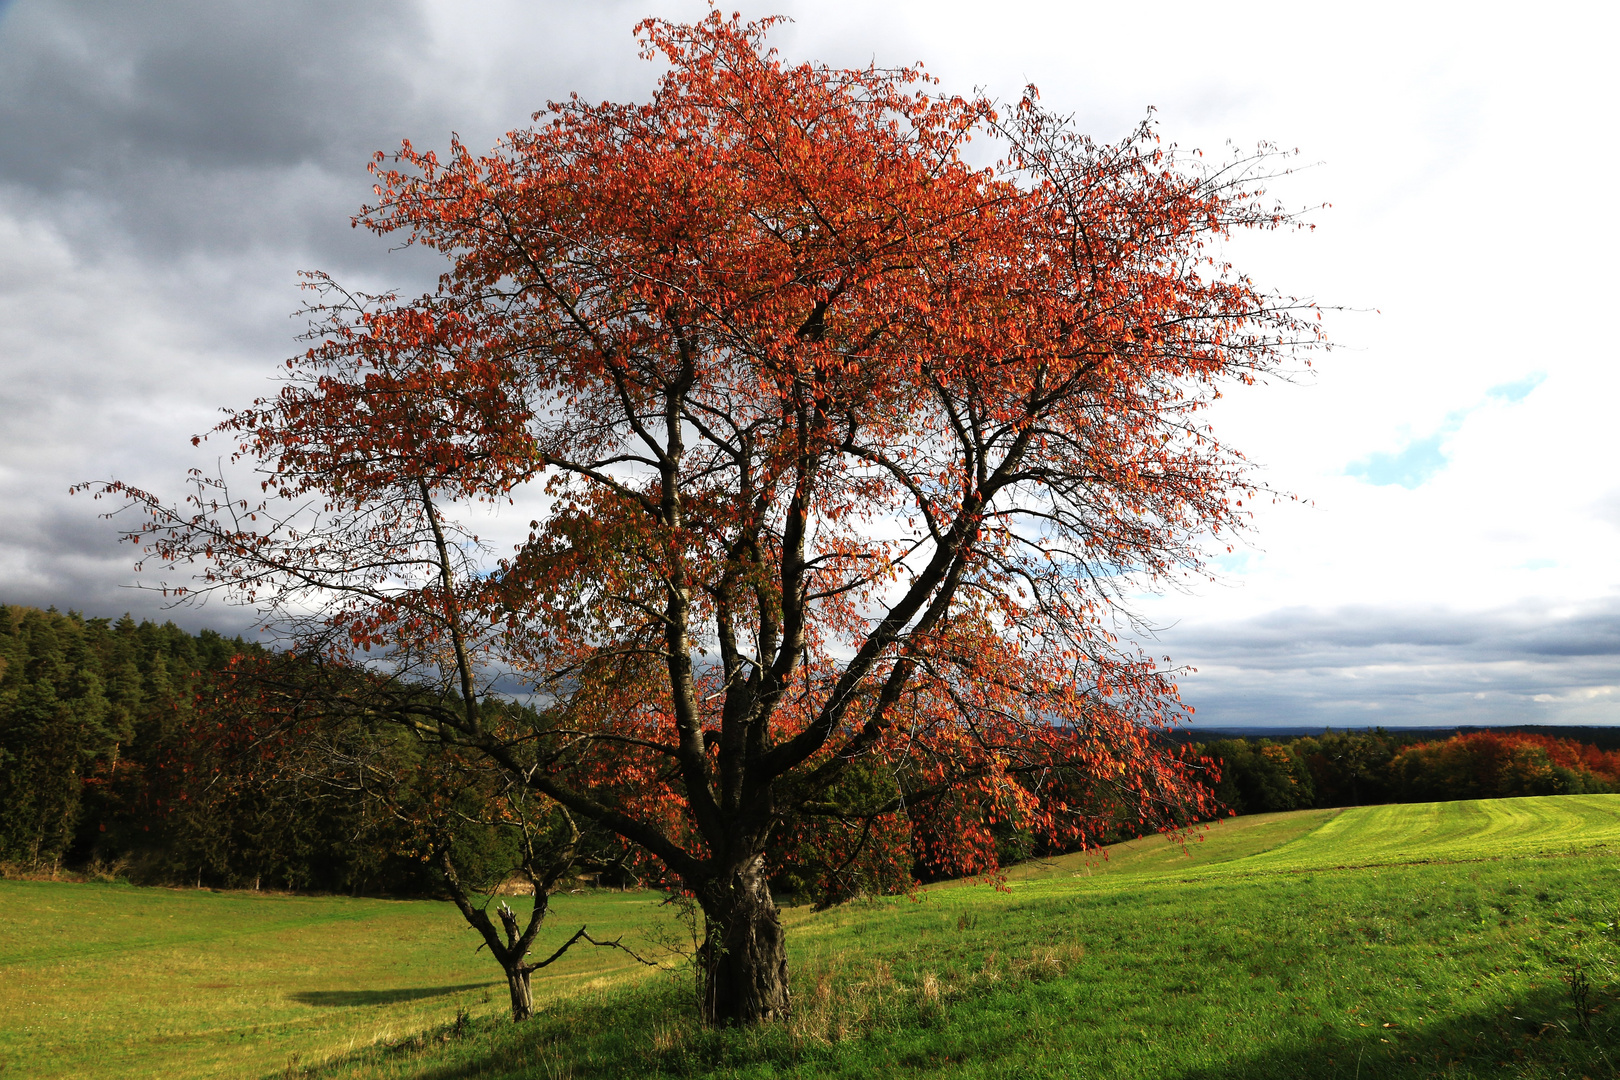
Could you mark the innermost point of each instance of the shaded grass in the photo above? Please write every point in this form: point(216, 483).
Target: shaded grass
point(1417, 971)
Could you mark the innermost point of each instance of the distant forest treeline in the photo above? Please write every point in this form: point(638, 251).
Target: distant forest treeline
point(109, 761)
point(112, 759)
point(1360, 768)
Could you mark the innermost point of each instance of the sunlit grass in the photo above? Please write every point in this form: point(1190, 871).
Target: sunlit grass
point(1224, 842)
point(1452, 831)
point(108, 980)
point(1380, 941)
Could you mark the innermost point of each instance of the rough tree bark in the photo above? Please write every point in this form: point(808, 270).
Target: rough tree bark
point(744, 954)
point(517, 976)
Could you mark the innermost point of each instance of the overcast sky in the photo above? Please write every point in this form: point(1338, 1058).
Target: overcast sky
point(167, 167)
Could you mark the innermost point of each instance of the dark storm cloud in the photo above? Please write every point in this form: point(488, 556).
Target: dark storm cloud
point(1292, 636)
point(166, 169)
point(88, 571)
point(167, 120)
point(1358, 666)
point(89, 87)
point(214, 125)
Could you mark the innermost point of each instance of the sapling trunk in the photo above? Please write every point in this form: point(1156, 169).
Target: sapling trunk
point(515, 959)
point(517, 982)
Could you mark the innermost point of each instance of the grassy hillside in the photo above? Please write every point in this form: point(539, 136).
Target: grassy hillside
point(1230, 841)
point(1380, 941)
point(1453, 831)
point(1364, 836)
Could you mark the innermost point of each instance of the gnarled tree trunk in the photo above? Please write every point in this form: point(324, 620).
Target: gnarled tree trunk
point(744, 957)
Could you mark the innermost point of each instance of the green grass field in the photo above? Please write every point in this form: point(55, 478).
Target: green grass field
point(1434, 940)
point(117, 981)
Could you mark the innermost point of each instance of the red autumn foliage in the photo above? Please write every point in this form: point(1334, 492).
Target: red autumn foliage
point(1500, 764)
point(842, 450)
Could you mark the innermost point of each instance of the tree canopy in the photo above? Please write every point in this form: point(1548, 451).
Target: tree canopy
point(844, 448)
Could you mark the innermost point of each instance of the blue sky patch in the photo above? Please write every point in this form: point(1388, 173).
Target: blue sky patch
point(1421, 459)
point(1409, 468)
point(1516, 391)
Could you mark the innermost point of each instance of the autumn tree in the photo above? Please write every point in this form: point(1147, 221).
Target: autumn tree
point(842, 452)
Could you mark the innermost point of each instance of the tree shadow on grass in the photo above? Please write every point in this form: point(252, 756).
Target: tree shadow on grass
point(650, 1031)
point(1537, 1035)
point(380, 997)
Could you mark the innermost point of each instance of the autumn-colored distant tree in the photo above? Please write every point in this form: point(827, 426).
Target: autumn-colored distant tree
point(840, 451)
point(1500, 764)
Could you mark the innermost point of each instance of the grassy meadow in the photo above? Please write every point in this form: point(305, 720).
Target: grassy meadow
point(1391, 941)
point(117, 981)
